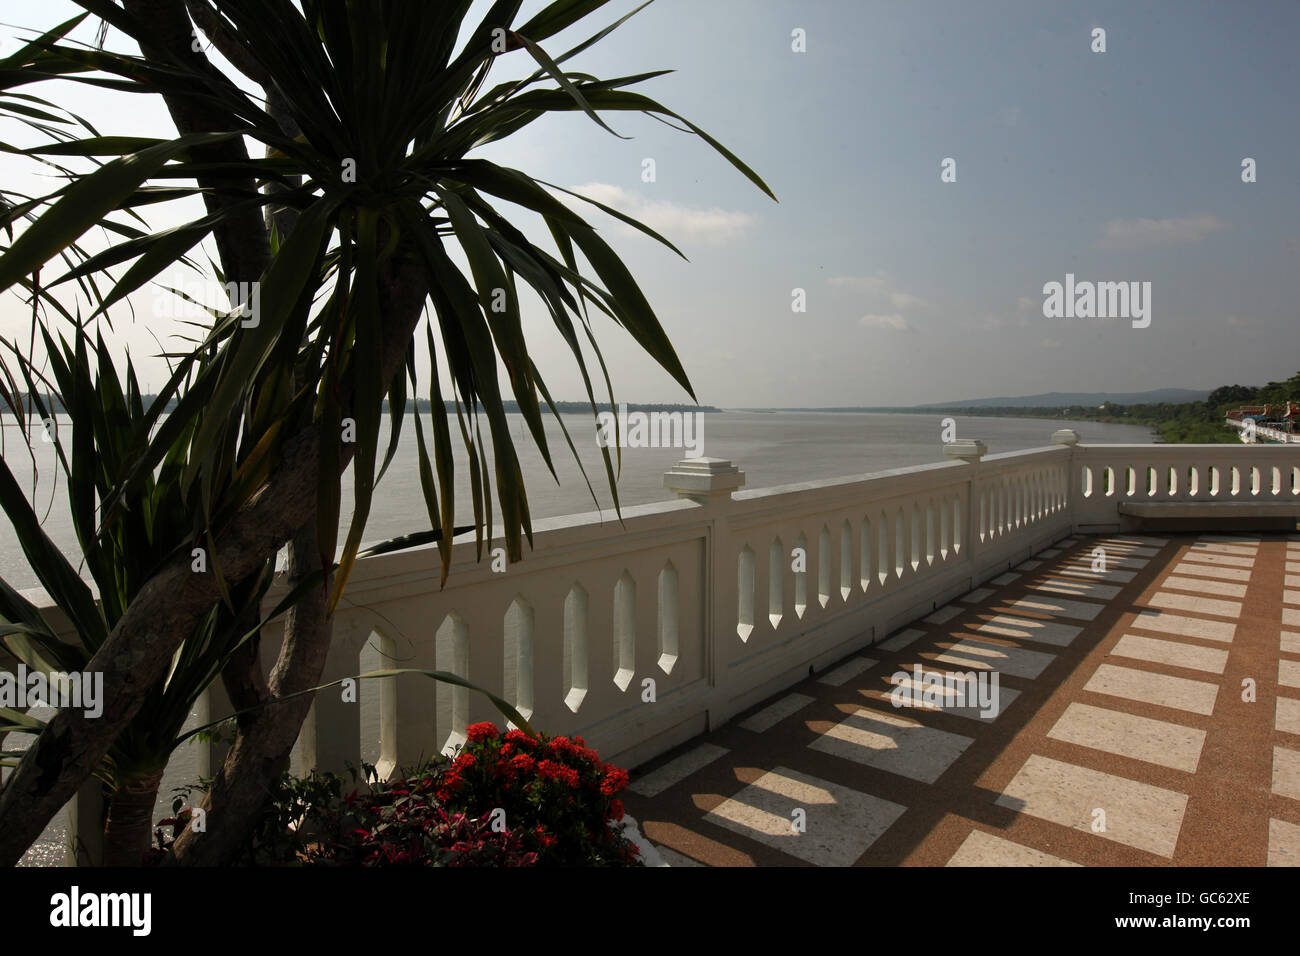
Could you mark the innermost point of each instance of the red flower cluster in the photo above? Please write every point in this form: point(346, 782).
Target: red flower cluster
point(615, 779)
point(557, 791)
point(464, 761)
point(550, 770)
point(523, 763)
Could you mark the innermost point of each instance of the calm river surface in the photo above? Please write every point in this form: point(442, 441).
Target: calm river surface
point(770, 448)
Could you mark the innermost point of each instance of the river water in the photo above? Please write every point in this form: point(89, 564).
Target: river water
point(770, 448)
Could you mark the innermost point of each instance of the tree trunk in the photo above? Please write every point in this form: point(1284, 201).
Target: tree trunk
point(139, 649)
point(129, 829)
point(262, 748)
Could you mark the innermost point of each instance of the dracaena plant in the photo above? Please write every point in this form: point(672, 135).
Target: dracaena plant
point(119, 556)
point(369, 116)
point(108, 416)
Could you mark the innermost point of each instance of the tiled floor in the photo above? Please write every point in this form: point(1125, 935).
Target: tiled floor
point(1147, 714)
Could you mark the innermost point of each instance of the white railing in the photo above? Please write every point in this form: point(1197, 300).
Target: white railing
point(1111, 474)
point(1253, 432)
point(642, 634)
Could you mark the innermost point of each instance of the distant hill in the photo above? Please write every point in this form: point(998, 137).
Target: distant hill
point(1049, 399)
point(1055, 400)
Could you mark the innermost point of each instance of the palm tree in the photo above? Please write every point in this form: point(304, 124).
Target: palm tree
point(369, 116)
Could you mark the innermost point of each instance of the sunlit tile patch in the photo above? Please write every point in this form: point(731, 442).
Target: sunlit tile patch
point(1204, 586)
point(1216, 548)
point(1059, 607)
point(1146, 539)
point(1186, 626)
point(1005, 579)
point(1178, 693)
point(901, 639)
point(1293, 567)
point(921, 696)
point(979, 594)
point(945, 614)
point(893, 743)
point(1136, 814)
point(1110, 574)
point(1291, 616)
point(846, 671)
point(1177, 653)
point(1223, 560)
point(1291, 597)
point(1283, 843)
point(1286, 772)
point(1292, 581)
point(1016, 661)
point(1126, 735)
point(1290, 642)
point(840, 823)
point(1288, 673)
point(1130, 540)
point(673, 858)
point(1197, 605)
point(1077, 588)
point(985, 849)
point(1045, 632)
point(1127, 551)
point(676, 770)
point(1113, 560)
point(1287, 718)
point(773, 714)
point(1212, 571)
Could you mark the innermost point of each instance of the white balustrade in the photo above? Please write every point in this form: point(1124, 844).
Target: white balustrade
point(640, 634)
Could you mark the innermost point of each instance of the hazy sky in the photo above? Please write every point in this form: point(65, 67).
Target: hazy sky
point(1117, 166)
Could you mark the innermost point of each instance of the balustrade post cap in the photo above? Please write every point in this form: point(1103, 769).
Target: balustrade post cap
point(966, 448)
point(698, 478)
point(1065, 436)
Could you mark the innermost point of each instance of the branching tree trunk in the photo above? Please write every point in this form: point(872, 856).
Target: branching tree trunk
point(139, 650)
point(266, 737)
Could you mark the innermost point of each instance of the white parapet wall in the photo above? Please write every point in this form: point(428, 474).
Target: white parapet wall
point(641, 634)
point(1109, 475)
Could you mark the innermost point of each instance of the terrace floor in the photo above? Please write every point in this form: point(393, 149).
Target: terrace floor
point(1127, 733)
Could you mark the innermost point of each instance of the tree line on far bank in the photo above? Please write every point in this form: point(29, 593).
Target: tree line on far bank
point(1175, 422)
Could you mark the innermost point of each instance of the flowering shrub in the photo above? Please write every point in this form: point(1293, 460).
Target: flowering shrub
point(556, 790)
point(504, 800)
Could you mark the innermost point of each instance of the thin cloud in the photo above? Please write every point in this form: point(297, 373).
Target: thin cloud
point(880, 288)
point(895, 322)
point(676, 222)
point(870, 285)
point(1127, 234)
point(905, 300)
